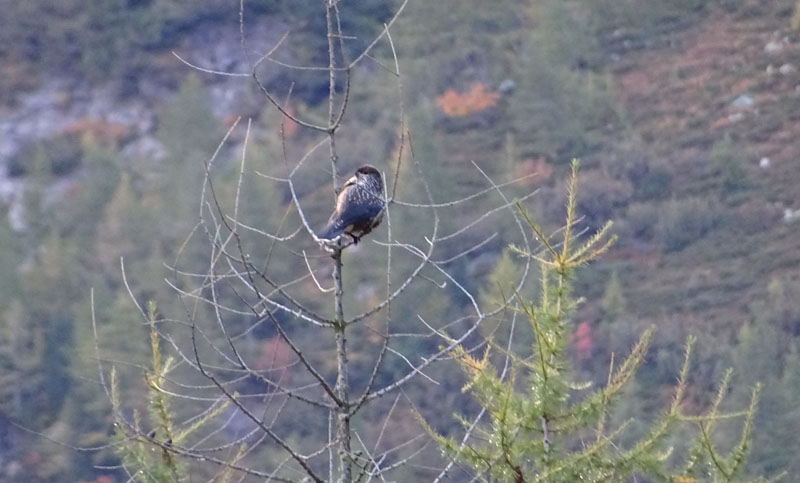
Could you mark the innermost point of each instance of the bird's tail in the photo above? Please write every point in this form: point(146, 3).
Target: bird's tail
point(330, 232)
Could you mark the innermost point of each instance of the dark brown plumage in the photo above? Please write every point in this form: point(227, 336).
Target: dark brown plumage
point(359, 206)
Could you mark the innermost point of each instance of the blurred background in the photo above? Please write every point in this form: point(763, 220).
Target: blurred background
point(685, 115)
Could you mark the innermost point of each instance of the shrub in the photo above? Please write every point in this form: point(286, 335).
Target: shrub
point(602, 197)
point(59, 155)
point(729, 161)
point(454, 104)
point(684, 221)
point(650, 181)
point(641, 220)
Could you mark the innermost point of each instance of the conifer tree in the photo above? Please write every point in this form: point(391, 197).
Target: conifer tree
point(537, 424)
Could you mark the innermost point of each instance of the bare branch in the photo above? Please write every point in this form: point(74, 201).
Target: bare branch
point(311, 272)
point(208, 71)
point(235, 400)
point(369, 47)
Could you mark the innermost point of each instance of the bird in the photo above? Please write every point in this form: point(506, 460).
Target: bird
point(359, 206)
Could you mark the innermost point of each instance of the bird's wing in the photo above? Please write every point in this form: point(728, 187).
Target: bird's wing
point(333, 229)
point(352, 214)
point(353, 206)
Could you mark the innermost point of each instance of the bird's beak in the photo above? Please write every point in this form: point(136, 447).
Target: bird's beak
point(351, 181)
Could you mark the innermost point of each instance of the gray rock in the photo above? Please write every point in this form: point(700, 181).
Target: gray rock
point(507, 86)
point(774, 47)
point(743, 101)
point(60, 102)
point(735, 117)
point(787, 69)
point(144, 147)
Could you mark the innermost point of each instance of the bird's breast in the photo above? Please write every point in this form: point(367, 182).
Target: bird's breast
point(341, 201)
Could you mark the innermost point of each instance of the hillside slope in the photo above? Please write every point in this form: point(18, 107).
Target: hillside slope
point(718, 104)
point(698, 167)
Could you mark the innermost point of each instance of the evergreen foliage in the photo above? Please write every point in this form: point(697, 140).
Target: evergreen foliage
point(684, 221)
point(767, 353)
point(144, 445)
point(562, 99)
point(540, 425)
point(728, 159)
point(613, 302)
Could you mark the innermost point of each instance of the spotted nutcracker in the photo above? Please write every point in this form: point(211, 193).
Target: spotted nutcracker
point(359, 206)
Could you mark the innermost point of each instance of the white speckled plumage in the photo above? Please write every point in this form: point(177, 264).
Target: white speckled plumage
point(359, 206)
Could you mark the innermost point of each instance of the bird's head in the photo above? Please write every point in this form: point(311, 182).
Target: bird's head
point(368, 177)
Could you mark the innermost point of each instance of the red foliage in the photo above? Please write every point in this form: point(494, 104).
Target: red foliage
point(274, 354)
point(100, 479)
point(289, 126)
point(454, 104)
point(106, 133)
point(538, 166)
point(229, 120)
point(581, 340)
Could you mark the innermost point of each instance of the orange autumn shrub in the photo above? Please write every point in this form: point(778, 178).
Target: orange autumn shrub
point(454, 104)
